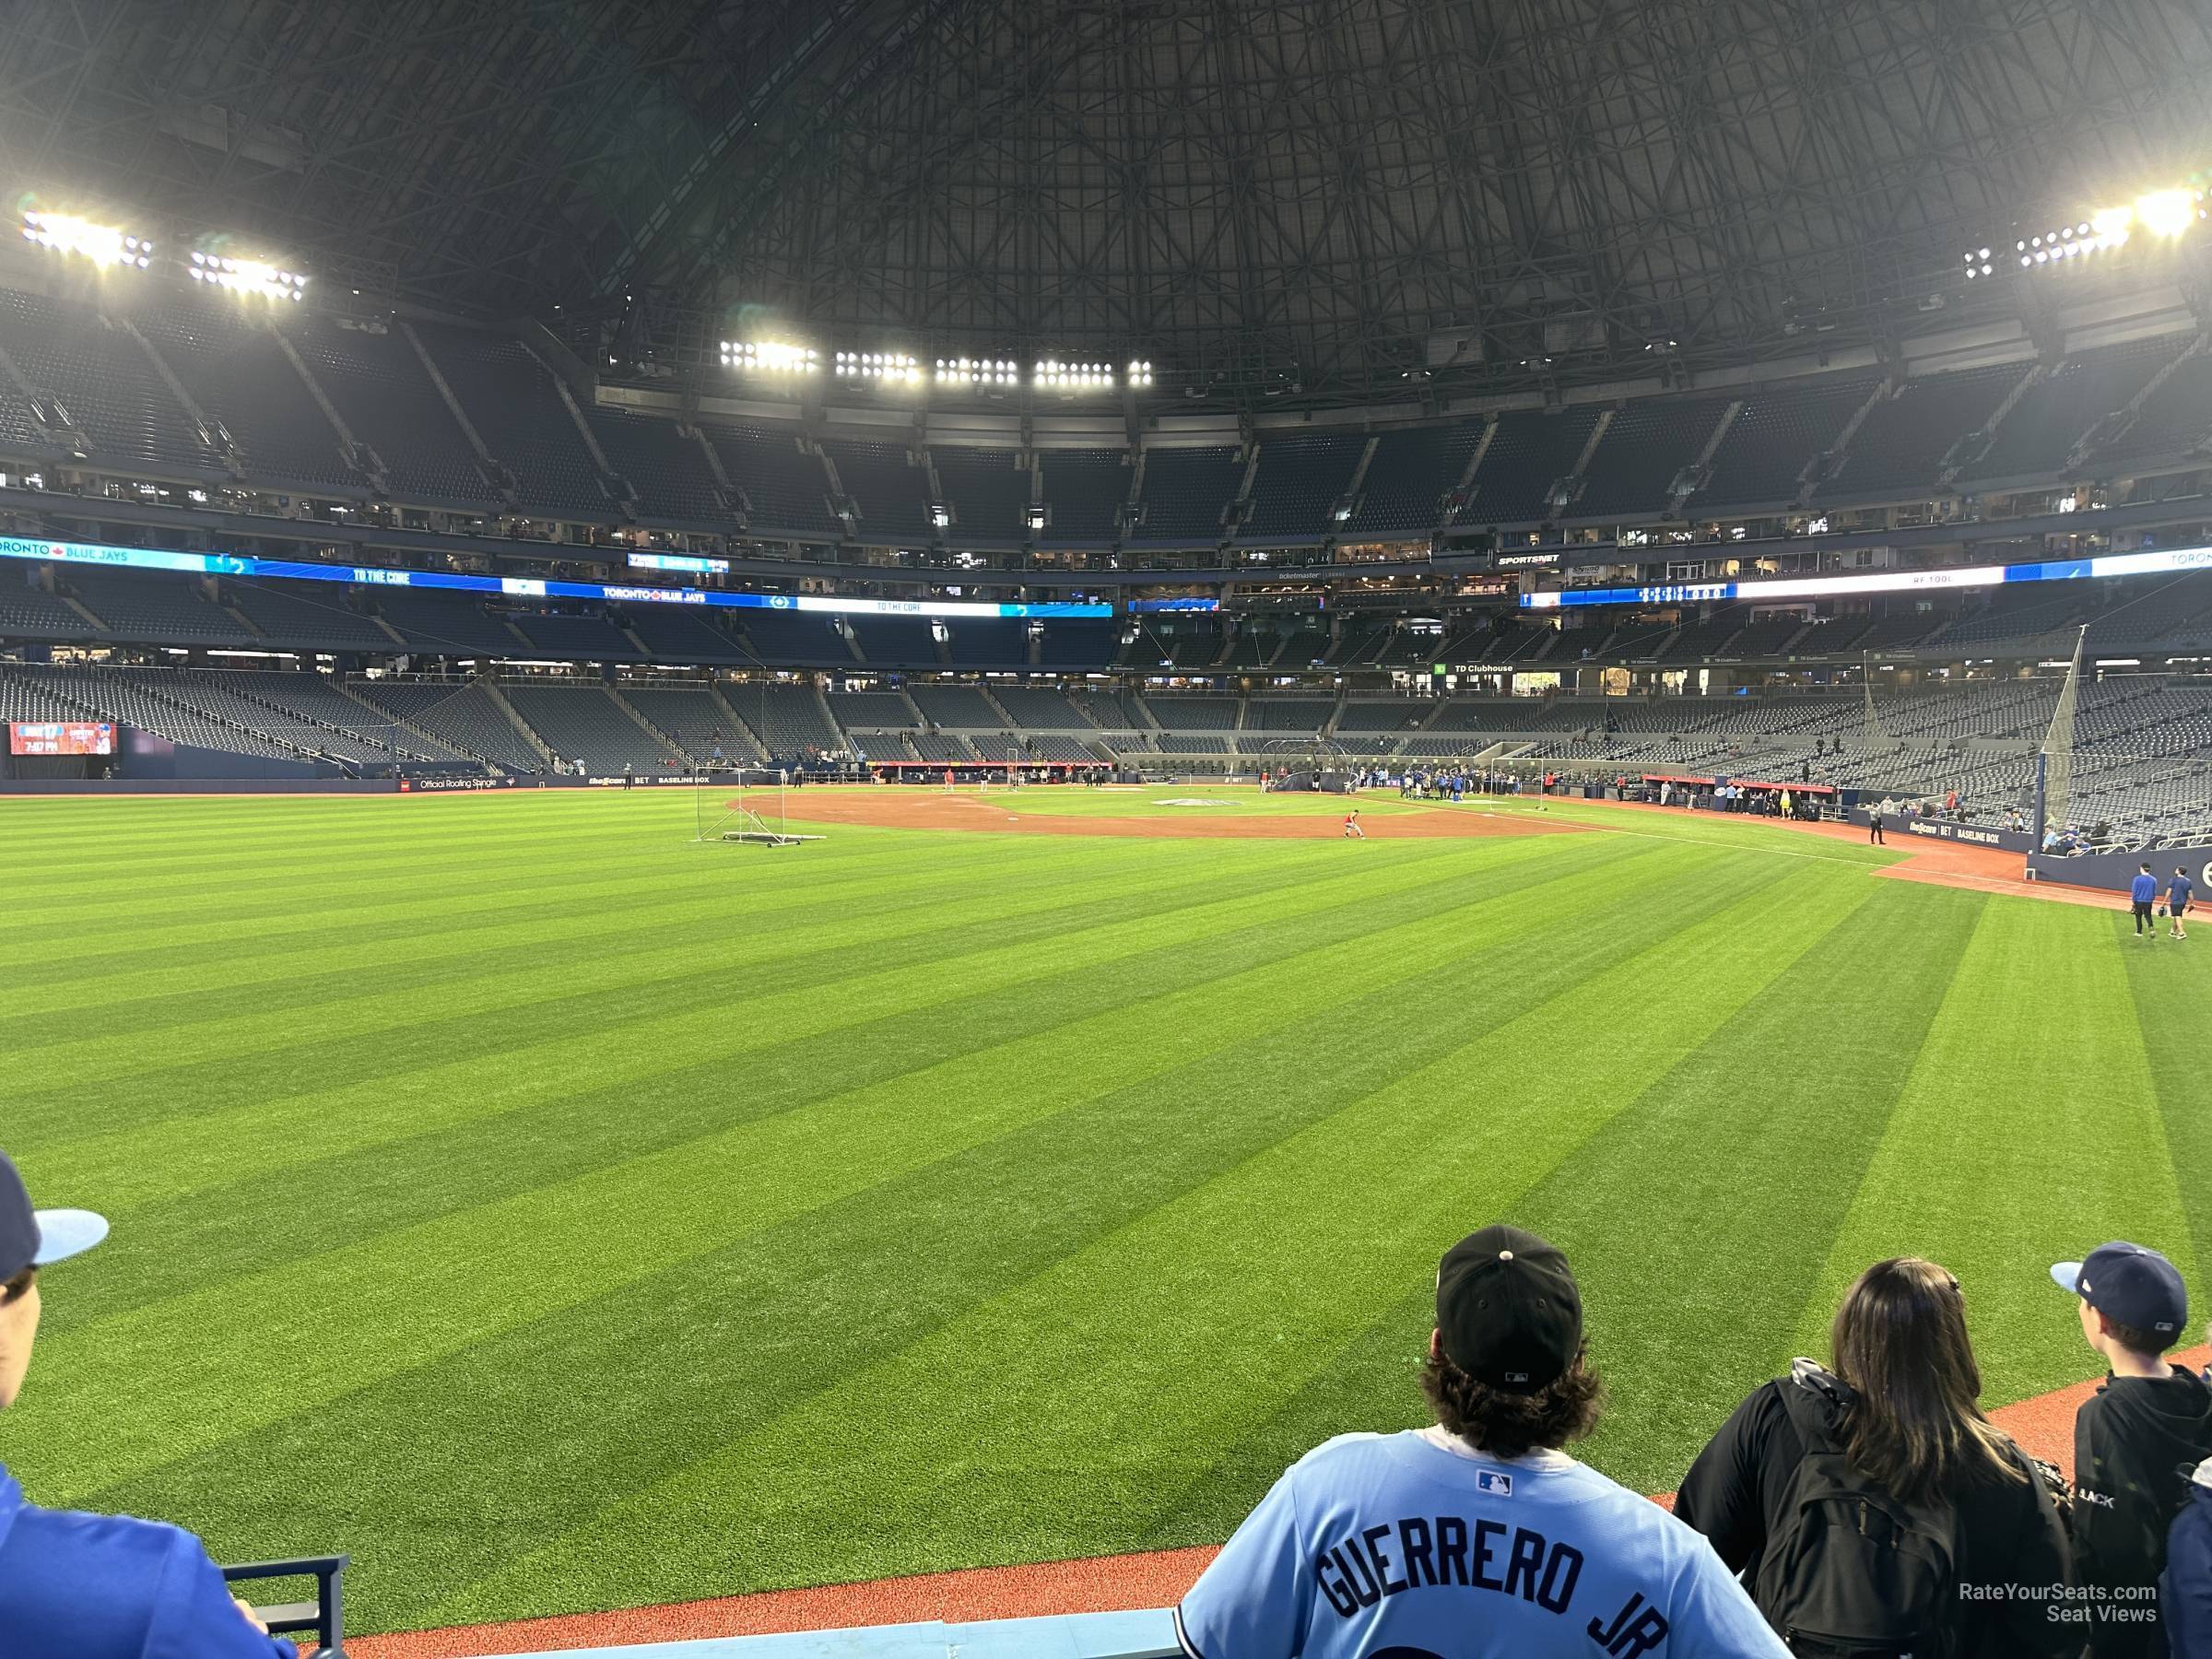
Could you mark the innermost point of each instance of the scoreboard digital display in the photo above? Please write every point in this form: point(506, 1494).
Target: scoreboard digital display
point(60, 738)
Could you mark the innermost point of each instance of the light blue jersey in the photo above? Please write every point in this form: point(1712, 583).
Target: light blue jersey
point(1412, 1544)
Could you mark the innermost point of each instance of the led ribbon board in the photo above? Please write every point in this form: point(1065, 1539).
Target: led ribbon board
point(679, 561)
point(1896, 581)
point(512, 587)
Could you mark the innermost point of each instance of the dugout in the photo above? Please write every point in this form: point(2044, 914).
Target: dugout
point(1032, 771)
point(1696, 789)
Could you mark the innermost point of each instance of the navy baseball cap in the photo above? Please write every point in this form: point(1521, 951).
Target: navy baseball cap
point(1509, 1309)
point(2132, 1283)
point(32, 1238)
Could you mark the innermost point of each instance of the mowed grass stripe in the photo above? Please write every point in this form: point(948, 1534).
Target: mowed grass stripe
point(396, 932)
point(734, 1001)
point(745, 908)
point(173, 1157)
point(421, 868)
point(1286, 1250)
point(1167, 1095)
point(1991, 1169)
point(694, 928)
point(1060, 907)
point(533, 876)
point(407, 1296)
point(1747, 1150)
point(2171, 985)
point(399, 1158)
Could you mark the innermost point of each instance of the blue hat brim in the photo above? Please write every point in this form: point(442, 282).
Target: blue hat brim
point(2066, 1276)
point(67, 1232)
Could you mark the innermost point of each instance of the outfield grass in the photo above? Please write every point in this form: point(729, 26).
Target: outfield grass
point(558, 1215)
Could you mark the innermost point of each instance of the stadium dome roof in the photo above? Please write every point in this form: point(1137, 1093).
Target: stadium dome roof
point(1333, 195)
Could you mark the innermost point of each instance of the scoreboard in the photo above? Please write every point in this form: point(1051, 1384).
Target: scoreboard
point(60, 738)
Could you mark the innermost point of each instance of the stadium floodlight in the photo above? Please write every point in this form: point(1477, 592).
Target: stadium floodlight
point(897, 366)
point(103, 245)
point(770, 357)
point(246, 277)
point(1074, 376)
point(2169, 213)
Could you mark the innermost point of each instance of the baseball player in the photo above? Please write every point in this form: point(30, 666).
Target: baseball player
point(1352, 826)
point(1478, 1538)
point(2179, 891)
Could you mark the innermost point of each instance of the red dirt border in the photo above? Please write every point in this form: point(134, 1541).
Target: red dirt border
point(1935, 863)
point(967, 812)
point(2044, 1425)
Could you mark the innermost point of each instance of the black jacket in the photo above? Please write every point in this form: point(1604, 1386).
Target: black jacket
point(2009, 1533)
point(2135, 1441)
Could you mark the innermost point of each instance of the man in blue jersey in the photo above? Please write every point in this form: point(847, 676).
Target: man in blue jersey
point(2179, 891)
point(1478, 1538)
point(76, 1586)
point(2140, 893)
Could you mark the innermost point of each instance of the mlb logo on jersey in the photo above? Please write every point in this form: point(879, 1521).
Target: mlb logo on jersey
point(1495, 1483)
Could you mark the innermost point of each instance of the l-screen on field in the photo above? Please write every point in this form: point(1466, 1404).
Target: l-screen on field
point(559, 1214)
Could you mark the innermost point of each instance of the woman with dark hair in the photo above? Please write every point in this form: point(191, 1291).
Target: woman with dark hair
point(1873, 1511)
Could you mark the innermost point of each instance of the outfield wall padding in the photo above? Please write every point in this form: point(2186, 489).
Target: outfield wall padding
point(2114, 871)
point(1970, 835)
point(193, 786)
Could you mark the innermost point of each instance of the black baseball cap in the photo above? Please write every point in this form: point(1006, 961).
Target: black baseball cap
point(2132, 1283)
point(32, 1238)
point(1507, 1309)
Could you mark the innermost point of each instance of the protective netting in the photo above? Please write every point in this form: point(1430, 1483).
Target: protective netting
point(1873, 738)
point(2057, 750)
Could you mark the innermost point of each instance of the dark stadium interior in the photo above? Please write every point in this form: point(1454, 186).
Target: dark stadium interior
point(1546, 412)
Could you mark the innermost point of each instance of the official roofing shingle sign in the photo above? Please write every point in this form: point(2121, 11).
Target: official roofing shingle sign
point(2164, 562)
point(513, 587)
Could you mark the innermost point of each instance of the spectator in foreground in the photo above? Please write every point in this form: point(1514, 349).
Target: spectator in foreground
point(76, 1586)
point(2135, 1439)
point(1478, 1538)
point(2185, 1591)
point(1873, 1509)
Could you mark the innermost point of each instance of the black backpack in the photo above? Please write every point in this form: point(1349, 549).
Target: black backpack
point(1849, 1569)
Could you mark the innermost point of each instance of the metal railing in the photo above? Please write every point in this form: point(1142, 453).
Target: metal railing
point(322, 1616)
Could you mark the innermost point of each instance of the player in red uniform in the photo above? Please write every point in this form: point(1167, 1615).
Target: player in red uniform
point(1352, 826)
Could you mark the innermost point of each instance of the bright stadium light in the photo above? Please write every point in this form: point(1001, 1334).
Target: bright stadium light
point(972, 371)
point(894, 366)
point(103, 245)
point(245, 277)
point(770, 356)
point(1074, 377)
point(2163, 215)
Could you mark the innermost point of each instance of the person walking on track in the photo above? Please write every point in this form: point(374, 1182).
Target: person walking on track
point(2179, 891)
point(2140, 893)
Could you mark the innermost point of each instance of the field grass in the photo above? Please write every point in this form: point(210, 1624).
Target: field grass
point(558, 1215)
